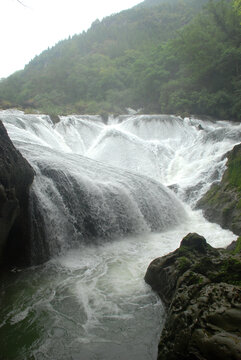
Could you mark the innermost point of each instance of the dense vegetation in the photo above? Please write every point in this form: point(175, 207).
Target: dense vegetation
point(162, 56)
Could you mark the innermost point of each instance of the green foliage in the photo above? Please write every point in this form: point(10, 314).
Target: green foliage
point(237, 6)
point(208, 56)
point(160, 56)
point(237, 249)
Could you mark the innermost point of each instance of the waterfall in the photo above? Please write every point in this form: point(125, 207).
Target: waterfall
point(106, 200)
point(77, 198)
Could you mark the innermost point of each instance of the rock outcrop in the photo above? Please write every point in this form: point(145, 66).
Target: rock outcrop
point(200, 287)
point(16, 176)
point(222, 203)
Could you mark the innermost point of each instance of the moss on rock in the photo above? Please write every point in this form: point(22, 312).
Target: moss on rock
point(200, 287)
point(237, 249)
point(222, 203)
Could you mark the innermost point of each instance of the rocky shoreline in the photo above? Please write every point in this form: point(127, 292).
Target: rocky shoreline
point(16, 176)
point(222, 203)
point(200, 287)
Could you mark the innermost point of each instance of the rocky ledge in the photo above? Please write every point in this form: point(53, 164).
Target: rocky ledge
point(200, 287)
point(16, 176)
point(222, 203)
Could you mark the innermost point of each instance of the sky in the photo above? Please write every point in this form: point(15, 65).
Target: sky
point(25, 31)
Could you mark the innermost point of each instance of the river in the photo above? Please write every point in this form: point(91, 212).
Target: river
point(106, 200)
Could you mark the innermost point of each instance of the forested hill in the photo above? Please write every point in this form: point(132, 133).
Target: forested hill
point(162, 56)
point(151, 3)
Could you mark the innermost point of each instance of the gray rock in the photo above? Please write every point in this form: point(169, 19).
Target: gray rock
point(200, 287)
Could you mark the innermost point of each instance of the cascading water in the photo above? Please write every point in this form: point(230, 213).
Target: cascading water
point(101, 210)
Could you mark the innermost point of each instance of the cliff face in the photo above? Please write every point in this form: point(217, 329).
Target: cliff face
point(200, 287)
point(16, 176)
point(222, 203)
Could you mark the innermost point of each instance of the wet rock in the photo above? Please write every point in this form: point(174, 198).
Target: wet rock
point(174, 188)
point(55, 118)
point(196, 242)
point(9, 210)
point(222, 203)
point(200, 287)
point(16, 175)
point(232, 246)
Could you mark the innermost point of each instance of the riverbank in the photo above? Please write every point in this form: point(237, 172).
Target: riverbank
point(222, 203)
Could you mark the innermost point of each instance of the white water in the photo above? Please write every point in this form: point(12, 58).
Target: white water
point(91, 302)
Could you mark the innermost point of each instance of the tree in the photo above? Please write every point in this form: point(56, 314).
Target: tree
point(237, 6)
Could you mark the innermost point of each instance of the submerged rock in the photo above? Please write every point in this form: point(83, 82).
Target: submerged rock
point(16, 175)
point(200, 286)
point(222, 203)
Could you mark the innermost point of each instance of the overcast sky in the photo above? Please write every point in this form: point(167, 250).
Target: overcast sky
point(26, 31)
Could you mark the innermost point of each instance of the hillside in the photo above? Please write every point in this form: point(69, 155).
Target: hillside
point(222, 203)
point(150, 56)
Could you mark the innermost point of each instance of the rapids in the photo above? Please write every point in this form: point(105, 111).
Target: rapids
point(105, 201)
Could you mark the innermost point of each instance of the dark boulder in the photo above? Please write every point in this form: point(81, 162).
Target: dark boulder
point(200, 287)
point(222, 203)
point(16, 176)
